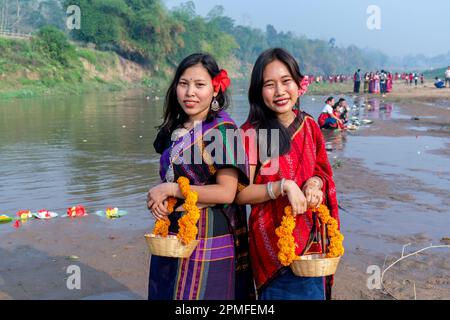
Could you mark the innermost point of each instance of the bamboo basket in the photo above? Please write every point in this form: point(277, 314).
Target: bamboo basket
point(315, 265)
point(170, 246)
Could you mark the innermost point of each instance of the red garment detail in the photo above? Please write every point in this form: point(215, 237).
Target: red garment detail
point(322, 118)
point(306, 158)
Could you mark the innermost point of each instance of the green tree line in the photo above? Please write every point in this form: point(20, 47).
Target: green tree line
point(146, 32)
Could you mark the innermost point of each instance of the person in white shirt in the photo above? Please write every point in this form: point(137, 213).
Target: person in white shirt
point(328, 108)
point(447, 77)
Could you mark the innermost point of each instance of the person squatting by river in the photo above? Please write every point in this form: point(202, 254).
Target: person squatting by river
point(328, 118)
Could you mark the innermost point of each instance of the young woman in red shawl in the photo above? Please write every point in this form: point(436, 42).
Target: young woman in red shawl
point(297, 173)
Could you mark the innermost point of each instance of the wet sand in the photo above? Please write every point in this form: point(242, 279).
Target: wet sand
point(374, 234)
point(113, 262)
point(381, 212)
point(368, 195)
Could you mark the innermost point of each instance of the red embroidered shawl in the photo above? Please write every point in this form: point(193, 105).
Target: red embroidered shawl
point(306, 158)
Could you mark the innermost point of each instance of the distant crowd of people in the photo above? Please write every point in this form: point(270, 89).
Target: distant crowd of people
point(379, 82)
point(336, 78)
point(373, 82)
point(411, 77)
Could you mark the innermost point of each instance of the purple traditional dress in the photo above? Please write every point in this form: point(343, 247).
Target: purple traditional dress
point(218, 269)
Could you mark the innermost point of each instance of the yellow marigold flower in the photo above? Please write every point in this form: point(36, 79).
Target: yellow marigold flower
point(192, 197)
point(187, 224)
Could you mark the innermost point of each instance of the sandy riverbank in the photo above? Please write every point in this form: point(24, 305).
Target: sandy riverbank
point(426, 92)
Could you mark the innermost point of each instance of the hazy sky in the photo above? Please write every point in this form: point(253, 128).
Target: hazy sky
point(407, 26)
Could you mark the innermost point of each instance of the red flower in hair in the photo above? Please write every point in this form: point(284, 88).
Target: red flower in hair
point(221, 81)
point(303, 87)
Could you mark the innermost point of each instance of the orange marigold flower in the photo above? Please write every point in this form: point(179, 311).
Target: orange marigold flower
point(161, 228)
point(286, 242)
point(188, 223)
point(171, 204)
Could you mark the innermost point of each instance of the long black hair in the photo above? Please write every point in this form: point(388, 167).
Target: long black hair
point(174, 116)
point(260, 115)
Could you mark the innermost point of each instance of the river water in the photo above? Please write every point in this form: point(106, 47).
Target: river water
point(96, 150)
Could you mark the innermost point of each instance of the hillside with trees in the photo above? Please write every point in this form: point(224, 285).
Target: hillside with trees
point(146, 32)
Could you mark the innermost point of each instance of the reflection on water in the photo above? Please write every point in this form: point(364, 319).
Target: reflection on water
point(335, 139)
point(372, 108)
point(409, 156)
point(94, 150)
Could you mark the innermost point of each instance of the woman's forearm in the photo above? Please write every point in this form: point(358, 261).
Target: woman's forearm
point(257, 193)
point(211, 193)
point(221, 192)
point(215, 193)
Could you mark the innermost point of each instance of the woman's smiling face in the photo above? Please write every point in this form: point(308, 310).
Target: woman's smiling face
point(195, 92)
point(280, 91)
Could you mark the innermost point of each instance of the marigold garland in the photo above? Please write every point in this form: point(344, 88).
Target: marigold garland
point(286, 241)
point(162, 226)
point(335, 247)
point(188, 223)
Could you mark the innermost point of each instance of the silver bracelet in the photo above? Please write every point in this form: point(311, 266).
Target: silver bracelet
point(283, 193)
point(270, 191)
